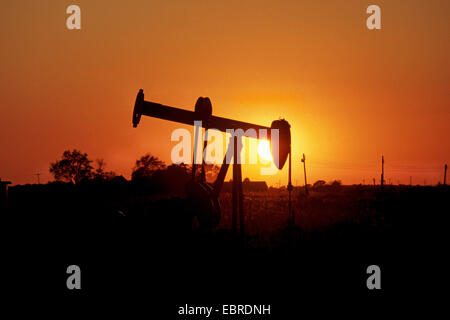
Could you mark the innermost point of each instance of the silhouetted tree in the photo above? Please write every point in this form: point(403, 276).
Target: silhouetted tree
point(186, 167)
point(211, 171)
point(174, 178)
point(319, 183)
point(146, 166)
point(74, 166)
point(101, 173)
point(336, 183)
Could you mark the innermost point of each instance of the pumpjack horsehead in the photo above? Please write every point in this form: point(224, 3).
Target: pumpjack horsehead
point(204, 194)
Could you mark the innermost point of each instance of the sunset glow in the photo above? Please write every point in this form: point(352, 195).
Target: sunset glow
point(350, 94)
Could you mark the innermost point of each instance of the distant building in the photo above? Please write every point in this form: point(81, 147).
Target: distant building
point(247, 186)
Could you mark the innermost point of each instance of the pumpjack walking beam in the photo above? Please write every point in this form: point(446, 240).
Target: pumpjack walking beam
point(156, 110)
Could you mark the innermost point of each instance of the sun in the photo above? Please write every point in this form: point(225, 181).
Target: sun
point(264, 150)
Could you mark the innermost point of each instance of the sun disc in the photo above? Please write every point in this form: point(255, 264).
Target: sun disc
point(264, 150)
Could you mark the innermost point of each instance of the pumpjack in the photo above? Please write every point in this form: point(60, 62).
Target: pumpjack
point(204, 194)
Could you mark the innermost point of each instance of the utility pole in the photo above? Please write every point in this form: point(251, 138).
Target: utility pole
point(304, 171)
point(4, 195)
point(38, 175)
point(382, 172)
point(445, 175)
point(289, 187)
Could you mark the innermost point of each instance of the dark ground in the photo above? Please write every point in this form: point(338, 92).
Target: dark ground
point(149, 256)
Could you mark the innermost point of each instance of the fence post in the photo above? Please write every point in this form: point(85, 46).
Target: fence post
point(445, 175)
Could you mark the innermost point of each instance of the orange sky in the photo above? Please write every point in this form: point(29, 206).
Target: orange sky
point(349, 93)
